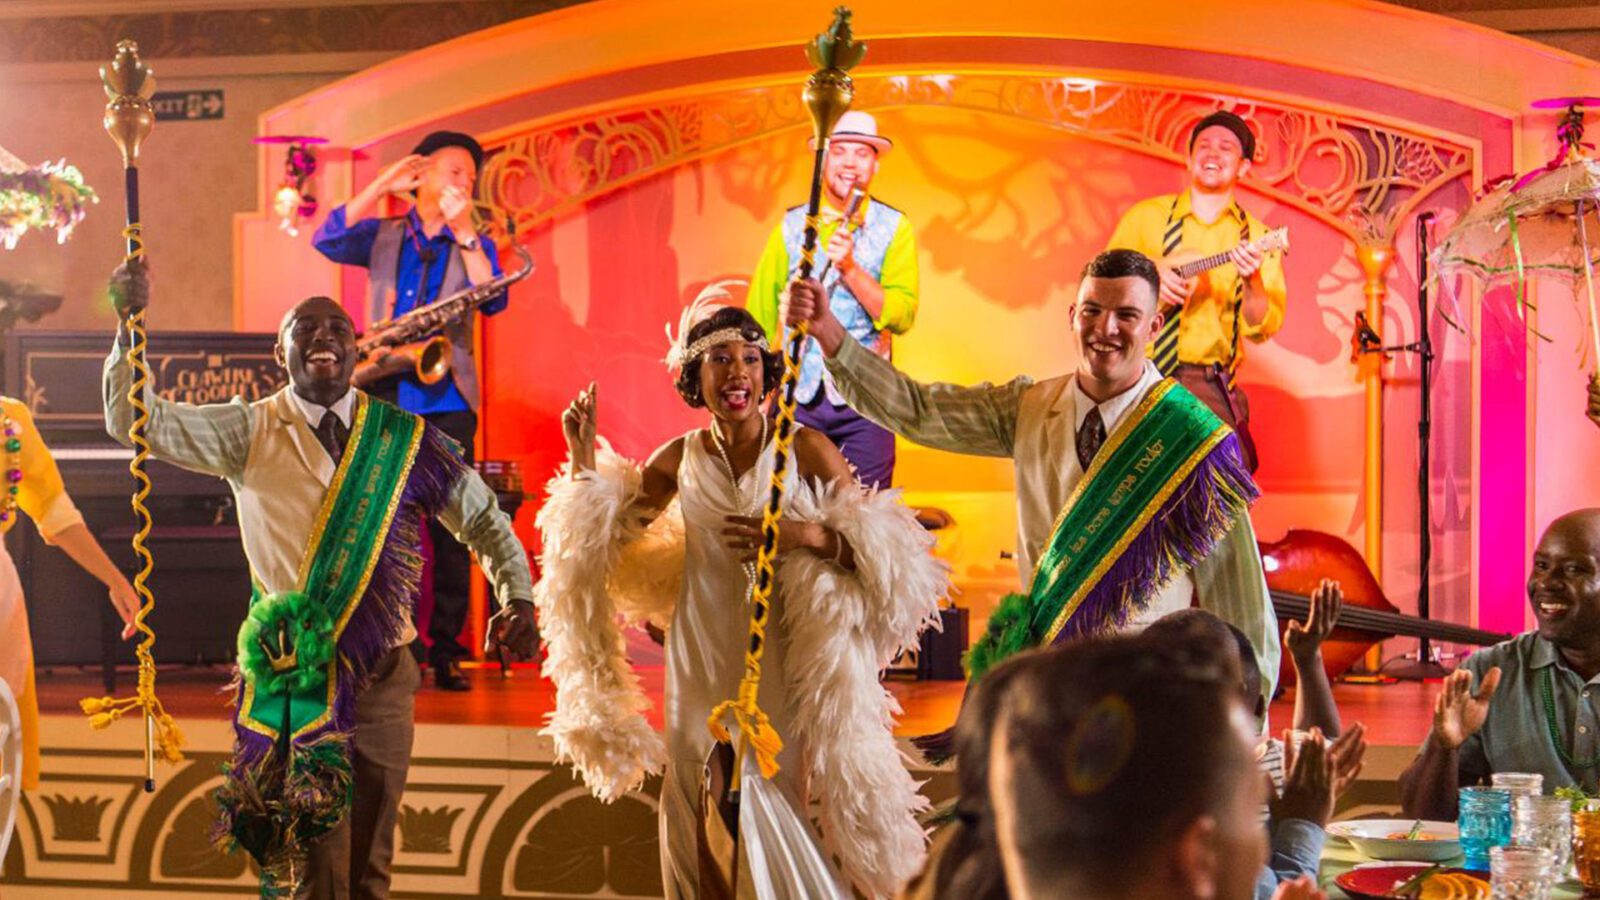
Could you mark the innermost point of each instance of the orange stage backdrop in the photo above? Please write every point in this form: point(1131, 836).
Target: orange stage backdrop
point(658, 157)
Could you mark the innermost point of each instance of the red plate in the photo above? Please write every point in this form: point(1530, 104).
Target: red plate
point(1377, 882)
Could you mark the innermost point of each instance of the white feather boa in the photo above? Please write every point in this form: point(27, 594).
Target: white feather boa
point(843, 628)
point(598, 724)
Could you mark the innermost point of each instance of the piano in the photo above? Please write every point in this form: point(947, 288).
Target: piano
point(201, 580)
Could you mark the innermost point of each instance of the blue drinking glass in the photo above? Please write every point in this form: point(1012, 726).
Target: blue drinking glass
point(1485, 822)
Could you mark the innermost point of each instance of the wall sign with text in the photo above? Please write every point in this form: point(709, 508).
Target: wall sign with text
point(187, 105)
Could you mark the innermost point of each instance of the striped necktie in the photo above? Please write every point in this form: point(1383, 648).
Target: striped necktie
point(1238, 294)
point(1165, 354)
point(1091, 434)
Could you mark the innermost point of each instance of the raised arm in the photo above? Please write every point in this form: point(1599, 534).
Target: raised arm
point(214, 439)
point(1452, 754)
point(1314, 706)
point(979, 421)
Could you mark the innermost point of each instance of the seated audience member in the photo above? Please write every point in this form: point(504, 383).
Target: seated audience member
point(1122, 768)
point(964, 859)
point(1306, 785)
point(1527, 704)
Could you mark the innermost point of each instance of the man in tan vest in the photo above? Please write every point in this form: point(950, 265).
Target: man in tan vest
point(335, 573)
point(1053, 430)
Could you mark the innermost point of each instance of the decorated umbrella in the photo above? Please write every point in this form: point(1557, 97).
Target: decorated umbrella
point(1545, 224)
point(40, 198)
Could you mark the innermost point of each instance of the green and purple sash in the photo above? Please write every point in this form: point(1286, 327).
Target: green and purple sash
point(290, 780)
point(1168, 483)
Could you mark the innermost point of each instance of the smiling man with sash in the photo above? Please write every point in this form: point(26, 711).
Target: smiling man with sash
point(333, 490)
point(1132, 497)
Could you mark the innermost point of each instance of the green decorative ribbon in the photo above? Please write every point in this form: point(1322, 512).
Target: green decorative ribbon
point(287, 655)
point(1155, 499)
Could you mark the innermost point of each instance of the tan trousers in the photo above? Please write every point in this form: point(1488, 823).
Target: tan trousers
point(352, 861)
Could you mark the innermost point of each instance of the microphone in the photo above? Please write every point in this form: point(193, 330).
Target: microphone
point(1363, 339)
point(852, 209)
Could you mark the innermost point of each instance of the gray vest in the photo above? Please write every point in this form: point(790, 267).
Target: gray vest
point(381, 270)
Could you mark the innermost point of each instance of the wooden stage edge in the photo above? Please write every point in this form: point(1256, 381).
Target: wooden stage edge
point(1396, 714)
point(487, 812)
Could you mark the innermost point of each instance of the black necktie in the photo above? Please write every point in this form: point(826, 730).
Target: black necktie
point(1091, 434)
point(332, 433)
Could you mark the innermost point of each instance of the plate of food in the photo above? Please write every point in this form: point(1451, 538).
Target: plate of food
point(1413, 883)
point(1408, 839)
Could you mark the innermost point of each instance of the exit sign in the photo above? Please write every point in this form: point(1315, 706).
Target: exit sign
point(187, 105)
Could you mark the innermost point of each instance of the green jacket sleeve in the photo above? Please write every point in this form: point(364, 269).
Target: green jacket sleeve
point(767, 283)
point(900, 287)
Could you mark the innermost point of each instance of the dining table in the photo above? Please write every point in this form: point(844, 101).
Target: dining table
point(1339, 857)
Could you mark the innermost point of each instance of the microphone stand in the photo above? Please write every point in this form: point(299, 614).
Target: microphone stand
point(1426, 665)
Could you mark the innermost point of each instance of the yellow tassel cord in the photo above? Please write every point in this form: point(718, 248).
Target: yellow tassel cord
point(744, 708)
point(102, 711)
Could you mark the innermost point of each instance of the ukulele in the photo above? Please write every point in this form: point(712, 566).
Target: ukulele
point(1186, 264)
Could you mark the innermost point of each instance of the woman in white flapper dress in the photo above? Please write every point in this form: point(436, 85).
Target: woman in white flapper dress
point(856, 583)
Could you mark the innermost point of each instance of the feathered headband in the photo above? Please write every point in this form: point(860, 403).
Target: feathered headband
point(711, 299)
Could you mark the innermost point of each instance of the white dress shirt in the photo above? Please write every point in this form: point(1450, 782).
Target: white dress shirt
point(344, 408)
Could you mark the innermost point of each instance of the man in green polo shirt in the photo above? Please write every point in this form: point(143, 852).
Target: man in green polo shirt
point(1527, 704)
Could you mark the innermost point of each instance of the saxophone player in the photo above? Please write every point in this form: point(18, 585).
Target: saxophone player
point(432, 251)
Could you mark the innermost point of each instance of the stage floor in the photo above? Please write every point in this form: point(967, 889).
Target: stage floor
point(487, 812)
point(1396, 714)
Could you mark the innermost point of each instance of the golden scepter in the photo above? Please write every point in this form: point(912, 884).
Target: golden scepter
point(828, 94)
point(129, 83)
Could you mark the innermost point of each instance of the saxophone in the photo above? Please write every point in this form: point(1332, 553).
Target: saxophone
point(412, 342)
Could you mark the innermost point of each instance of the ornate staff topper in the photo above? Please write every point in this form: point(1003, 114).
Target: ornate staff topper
point(128, 119)
point(129, 85)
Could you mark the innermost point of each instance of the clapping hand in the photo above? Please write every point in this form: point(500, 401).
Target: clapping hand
point(1304, 640)
point(1458, 713)
point(1349, 754)
point(1309, 780)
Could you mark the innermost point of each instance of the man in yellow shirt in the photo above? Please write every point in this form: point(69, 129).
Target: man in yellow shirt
point(871, 283)
point(1210, 316)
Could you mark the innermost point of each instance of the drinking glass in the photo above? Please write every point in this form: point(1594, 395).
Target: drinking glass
point(1520, 873)
point(1586, 848)
point(1544, 822)
point(1485, 822)
point(1519, 782)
